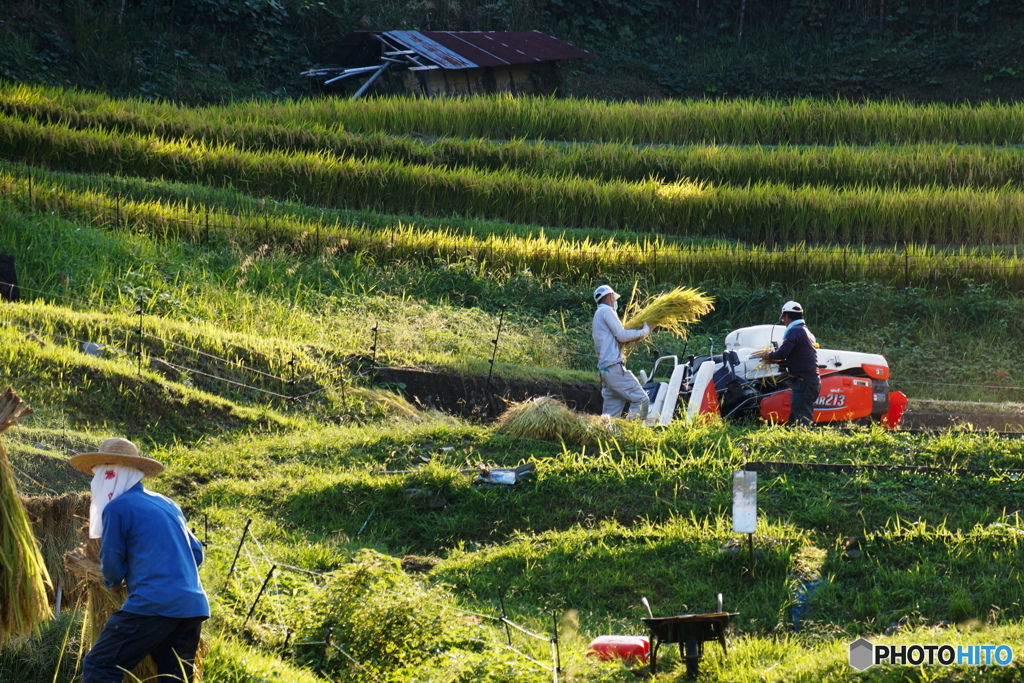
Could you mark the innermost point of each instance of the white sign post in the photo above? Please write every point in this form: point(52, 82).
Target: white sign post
point(744, 508)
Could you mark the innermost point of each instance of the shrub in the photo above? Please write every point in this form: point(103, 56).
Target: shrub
point(382, 622)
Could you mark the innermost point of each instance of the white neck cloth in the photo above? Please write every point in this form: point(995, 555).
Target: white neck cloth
point(109, 482)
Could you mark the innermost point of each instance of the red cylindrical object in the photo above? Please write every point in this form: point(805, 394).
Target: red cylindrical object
point(620, 647)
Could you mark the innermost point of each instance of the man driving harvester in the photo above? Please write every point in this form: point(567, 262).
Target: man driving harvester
point(799, 357)
point(619, 386)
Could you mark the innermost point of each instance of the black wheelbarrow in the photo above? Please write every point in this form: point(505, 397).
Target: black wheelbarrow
point(691, 631)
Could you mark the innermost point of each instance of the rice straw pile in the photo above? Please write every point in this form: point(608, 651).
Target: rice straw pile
point(545, 418)
point(23, 577)
point(672, 311)
point(56, 521)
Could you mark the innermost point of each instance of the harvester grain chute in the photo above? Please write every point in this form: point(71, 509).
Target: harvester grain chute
point(854, 385)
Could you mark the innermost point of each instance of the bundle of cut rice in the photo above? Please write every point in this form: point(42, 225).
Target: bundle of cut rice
point(672, 311)
point(56, 521)
point(547, 418)
point(100, 602)
point(23, 577)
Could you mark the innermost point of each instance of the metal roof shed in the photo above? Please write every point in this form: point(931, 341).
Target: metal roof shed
point(454, 62)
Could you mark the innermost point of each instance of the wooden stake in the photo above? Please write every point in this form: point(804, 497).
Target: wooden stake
point(750, 545)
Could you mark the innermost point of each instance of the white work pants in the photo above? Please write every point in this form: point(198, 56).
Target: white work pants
point(619, 386)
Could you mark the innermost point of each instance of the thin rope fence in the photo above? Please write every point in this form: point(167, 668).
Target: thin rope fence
point(388, 342)
point(382, 348)
point(262, 557)
point(90, 306)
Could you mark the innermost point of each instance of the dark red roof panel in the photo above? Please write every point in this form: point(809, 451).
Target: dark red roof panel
point(468, 49)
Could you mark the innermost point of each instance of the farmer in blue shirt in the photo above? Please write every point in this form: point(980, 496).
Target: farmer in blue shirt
point(799, 357)
point(145, 543)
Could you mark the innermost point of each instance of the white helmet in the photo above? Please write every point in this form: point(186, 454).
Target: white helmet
point(603, 291)
point(792, 307)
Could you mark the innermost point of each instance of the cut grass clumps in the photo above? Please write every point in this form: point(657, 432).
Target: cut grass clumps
point(292, 299)
point(545, 418)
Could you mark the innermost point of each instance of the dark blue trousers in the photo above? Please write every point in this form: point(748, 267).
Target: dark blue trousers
point(127, 638)
point(801, 403)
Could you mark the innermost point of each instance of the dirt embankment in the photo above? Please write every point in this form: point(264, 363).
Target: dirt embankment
point(476, 396)
point(1000, 417)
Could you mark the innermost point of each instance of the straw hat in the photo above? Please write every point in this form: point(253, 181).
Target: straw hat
point(117, 452)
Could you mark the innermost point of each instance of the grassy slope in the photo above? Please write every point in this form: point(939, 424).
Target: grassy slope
point(644, 514)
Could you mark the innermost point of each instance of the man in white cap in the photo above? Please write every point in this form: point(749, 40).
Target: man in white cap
point(799, 357)
point(619, 386)
point(146, 543)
